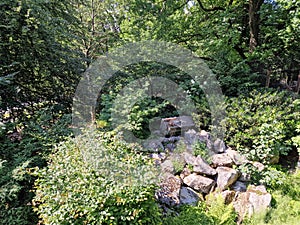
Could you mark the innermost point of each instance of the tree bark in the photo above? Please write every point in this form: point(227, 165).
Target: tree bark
point(268, 78)
point(254, 20)
point(298, 84)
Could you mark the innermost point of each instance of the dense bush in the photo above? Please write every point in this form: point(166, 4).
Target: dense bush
point(262, 125)
point(24, 145)
point(96, 179)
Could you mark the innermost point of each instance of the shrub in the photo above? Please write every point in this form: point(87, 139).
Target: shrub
point(23, 146)
point(262, 125)
point(96, 179)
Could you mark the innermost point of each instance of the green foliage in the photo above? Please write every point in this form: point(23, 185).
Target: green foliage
point(199, 148)
point(20, 150)
point(261, 125)
point(189, 215)
point(296, 139)
point(38, 59)
point(96, 179)
point(214, 212)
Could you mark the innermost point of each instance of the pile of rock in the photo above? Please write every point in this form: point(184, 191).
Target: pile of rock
point(197, 178)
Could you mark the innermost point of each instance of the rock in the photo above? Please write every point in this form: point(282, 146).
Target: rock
point(200, 166)
point(153, 145)
point(221, 160)
point(205, 137)
point(169, 190)
point(185, 172)
point(260, 167)
point(175, 125)
point(199, 183)
point(259, 198)
point(158, 156)
point(191, 137)
point(219, 146)
point(236, 157)
point(226, 177)
point(167, 167)
point(171, 146)
point(170, 139)
point(239, 186)
point(228, 196)
point(255, 200)
point(189, 158)
point(189, 196)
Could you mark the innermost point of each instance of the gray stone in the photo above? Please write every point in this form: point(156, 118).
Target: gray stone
point(153, 145)
point(221, 160)
point(170, 146)
point(169, 190)
point(219, 146)
point(191, 137)
point(254, 200)
point(200, 166)
point(199, 183)
point(167, 166)
point(189, 158)
point(205, 137)
point(236, 157)
point(260, 167)
point(239, 186)
point(189, 196)
point(226, 177)
point(174, 125)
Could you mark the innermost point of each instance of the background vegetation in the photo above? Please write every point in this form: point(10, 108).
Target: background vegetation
point(252, 46)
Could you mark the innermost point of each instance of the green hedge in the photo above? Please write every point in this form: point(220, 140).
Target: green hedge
point(96, 179)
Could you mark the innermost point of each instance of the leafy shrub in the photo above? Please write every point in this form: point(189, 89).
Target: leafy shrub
point(262, 124)
point(271, 176)
point(200, 148)
point(23, 146)
point(96, 179)
point(296, 139)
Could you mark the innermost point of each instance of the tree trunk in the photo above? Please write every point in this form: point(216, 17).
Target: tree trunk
point(268, 78)
point(298, 84)
point(254, 7)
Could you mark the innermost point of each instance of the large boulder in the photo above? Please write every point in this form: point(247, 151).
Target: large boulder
point(189, 196)
point(255, 200)
point(236, 157)
point(175, 125)
point(153, 145)
point(219, 146)
point(189, 158)
point(191, 137)
point(226, 177)
point(221, 160)
point(202, 167)
point(199, 183)
point(167, 167)
point(169, 190)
